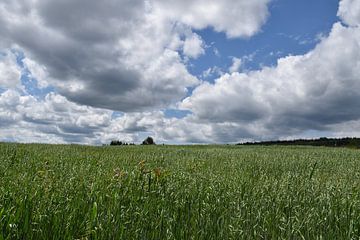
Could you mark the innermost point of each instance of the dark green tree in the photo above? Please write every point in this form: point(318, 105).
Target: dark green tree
point(116, 143)
point(148, 141)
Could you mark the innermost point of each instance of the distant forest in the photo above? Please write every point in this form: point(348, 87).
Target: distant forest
point(326, 142)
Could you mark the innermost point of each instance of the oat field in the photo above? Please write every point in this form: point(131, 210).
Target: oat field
point(178, 192)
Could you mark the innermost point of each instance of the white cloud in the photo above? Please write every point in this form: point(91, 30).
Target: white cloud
point(24, 118)
point(106, 54)
point(213, 71)
point(194, 46)
point(349, 12)
point(54, 119)
point(37, 72)
point(311, 91)
point(239, 18)
point(10, 72)
point(27, 119)
point(236, 65)
point(216, 52)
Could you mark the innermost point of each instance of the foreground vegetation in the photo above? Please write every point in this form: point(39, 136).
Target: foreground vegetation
point(178, 192)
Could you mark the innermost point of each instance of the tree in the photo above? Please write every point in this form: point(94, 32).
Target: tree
point(115, 143)
point(148, 141)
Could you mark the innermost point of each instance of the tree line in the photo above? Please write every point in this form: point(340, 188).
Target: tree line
point(147, 141)
point(326, 142)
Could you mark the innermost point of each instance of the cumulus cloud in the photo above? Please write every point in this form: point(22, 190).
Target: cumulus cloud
point(25, 118)
point(236, 18)
point(10, 72)
point(120, 55)
point(311, 91)
point(194, 46)
point(102, 50)
point(213, 71)
point(236, 65)
point(37, 72)
point(128, 56)
point(349, 12)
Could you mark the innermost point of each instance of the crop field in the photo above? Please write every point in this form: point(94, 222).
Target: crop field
point(178, 192)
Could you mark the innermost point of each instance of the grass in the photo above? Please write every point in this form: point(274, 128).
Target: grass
point(178, 192)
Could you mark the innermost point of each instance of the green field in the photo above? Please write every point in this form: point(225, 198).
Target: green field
point(178, 192)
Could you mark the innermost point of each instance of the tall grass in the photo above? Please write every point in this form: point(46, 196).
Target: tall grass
point(178, 192)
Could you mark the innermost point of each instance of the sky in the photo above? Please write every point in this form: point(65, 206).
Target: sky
point(181, 71)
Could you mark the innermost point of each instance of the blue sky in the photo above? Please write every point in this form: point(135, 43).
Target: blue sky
point(292, 28)
point(181, 71)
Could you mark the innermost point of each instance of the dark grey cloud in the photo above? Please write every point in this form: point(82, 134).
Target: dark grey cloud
point(76, 130)
point(91, 21)
point(120, 54)
point(98, 53)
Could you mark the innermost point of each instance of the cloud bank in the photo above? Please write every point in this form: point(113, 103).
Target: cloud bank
point(131, 56)
point(121, 55)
